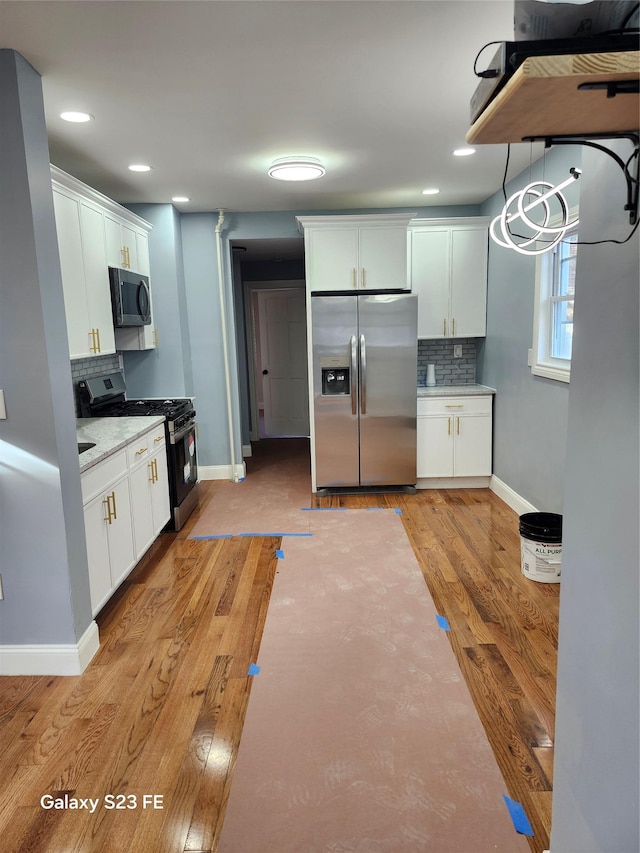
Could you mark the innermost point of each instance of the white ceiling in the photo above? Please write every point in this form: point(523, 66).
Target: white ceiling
point(209, 93)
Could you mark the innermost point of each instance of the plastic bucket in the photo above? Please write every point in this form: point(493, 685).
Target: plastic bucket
point(541, 546)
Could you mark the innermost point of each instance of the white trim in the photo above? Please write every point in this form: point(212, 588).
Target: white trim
point(64, 179)
point(453, 483)
point(51, 659)
point(221, 472)
point(384, 220)
point(510, 497)
point(548, 371)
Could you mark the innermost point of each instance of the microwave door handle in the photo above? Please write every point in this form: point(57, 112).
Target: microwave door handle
point(363, 376)
point(142, 288)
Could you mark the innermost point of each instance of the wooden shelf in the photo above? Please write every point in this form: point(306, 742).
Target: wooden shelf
point(542, 99)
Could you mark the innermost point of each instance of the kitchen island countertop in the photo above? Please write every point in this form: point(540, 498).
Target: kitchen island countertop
point(454, 390)
point(110, 435)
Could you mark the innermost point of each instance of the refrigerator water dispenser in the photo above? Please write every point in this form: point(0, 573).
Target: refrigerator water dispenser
point(335, 381)
point(335, 376)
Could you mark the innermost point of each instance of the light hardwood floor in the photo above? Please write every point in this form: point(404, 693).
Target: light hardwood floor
point(161, 707)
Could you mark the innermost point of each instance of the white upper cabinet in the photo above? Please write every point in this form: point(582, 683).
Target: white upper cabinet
point(122, 246)
point(449, 274)
point(95, 233)
point(356, 252)
point(87, 299)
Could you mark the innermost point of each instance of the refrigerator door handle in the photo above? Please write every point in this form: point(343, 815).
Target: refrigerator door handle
point(363, 376)
point(354, 385)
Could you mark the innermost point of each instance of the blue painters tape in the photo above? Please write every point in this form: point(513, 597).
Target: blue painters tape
point(398, 511)
point(260, 534)
point(279, 554)
point(254, 669)
point(518, 816)
point(274, 533)
point(323, 508)
point(217, 536)
point(442, 622)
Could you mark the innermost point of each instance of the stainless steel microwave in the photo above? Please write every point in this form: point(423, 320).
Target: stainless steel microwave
point(130, 298)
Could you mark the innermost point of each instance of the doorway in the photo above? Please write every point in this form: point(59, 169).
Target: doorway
point(277, 359)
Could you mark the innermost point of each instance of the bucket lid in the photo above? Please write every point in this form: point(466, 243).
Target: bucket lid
point(541, 526)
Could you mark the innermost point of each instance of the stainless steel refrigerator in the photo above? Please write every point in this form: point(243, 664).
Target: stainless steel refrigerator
point(365, 349)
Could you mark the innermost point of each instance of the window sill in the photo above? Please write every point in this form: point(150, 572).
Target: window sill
point(550, 371)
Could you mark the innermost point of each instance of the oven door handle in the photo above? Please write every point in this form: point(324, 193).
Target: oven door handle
point(175, 437)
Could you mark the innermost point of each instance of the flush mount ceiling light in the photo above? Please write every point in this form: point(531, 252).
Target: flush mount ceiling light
point(430, 191)
point(296, 169)
point(180, 199)
point(463, 152)
point(139, 167)
point(76, 117)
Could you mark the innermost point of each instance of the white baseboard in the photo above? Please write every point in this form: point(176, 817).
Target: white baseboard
point(453, 483)
point(510, 497)
point(51, 659)
point(221, 472)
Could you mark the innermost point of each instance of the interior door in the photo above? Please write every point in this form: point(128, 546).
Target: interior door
point(283, 353)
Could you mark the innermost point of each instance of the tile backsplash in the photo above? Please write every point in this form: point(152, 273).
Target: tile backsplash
point(448, 370)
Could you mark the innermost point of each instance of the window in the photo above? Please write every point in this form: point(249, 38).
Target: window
point(553, 313)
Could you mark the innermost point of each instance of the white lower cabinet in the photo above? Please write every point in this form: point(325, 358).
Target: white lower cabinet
point(149, 485)
point(454, 438)
point(108, 526)
point(126, 505)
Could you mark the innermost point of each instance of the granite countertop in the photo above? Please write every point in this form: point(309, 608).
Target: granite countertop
point(110, 435)
point(455, 390)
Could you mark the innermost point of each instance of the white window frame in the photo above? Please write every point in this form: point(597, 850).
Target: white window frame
point(541, 361)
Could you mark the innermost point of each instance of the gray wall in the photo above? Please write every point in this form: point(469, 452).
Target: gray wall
point(206, 344)
point(597, 768)
point(166, 371)
point(530, 412)
point(42, 543)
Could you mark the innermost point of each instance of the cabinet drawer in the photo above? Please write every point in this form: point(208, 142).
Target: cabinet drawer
point(144, 446)
point(454, 406)
point(101, 476)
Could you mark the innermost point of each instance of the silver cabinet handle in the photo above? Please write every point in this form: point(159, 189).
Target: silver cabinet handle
point(354, 386)
point(363, 376)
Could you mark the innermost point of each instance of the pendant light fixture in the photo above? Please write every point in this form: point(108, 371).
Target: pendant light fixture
point(536, 195)
point(296, 169)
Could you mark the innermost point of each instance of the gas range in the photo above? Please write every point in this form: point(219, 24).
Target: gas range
point(178, 413)
point(105, 396)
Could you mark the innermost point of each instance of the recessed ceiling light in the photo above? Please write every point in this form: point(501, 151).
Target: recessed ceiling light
point(463, 152)
point(139, 167)
point(430, 191)
point(180, 198)
point(296, 169)
point(76, 117)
